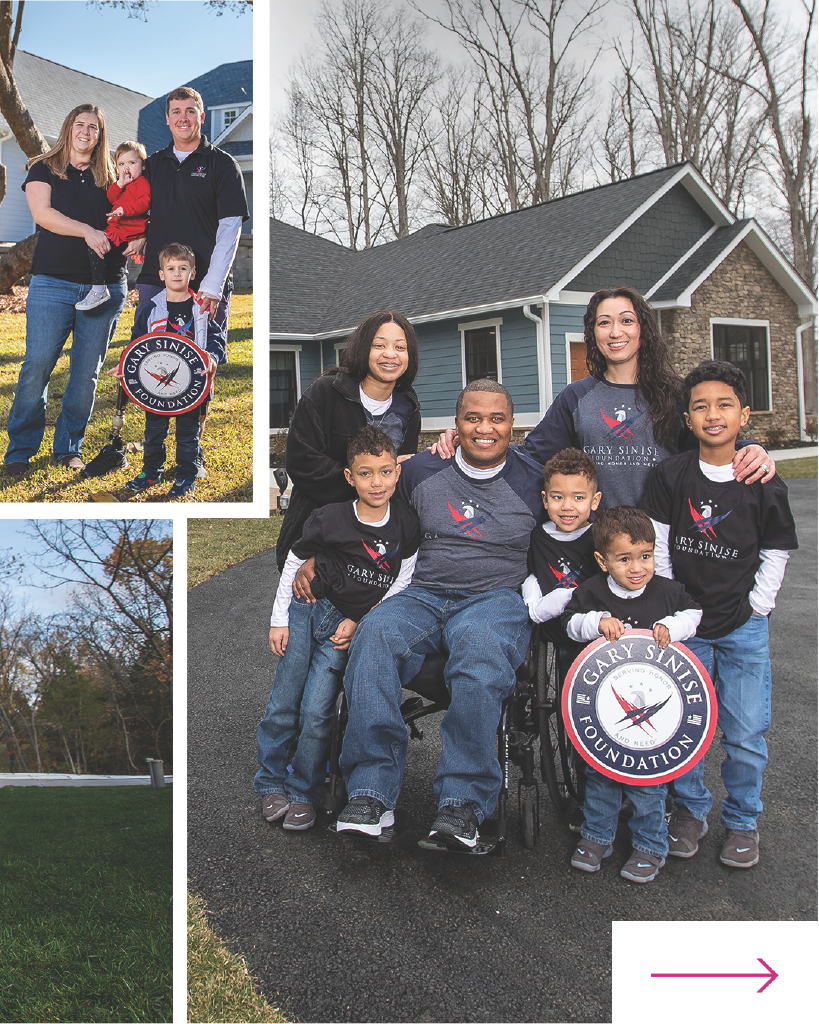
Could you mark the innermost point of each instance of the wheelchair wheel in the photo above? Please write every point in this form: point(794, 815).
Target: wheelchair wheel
point(557, 756)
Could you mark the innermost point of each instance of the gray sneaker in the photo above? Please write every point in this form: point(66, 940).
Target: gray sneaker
point(741, 849)
point(588, 855)
point(684, 833)
point(275, 806)
point(299, 817)
point(92, 300)
point(642, 867)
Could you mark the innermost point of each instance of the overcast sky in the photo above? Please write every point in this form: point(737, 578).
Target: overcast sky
point(181, 40)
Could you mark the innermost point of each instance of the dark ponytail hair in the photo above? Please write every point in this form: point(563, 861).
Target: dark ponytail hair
point(354, 358)
point(657, 383)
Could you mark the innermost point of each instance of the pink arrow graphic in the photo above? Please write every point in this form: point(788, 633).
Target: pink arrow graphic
point(771, 975)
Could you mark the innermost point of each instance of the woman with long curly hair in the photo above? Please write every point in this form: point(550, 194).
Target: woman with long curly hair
point(627, 413)
point(372, 384)
point(66, 193)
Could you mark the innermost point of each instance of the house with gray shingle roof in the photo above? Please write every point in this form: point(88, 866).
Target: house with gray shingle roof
point(51, 90)
point(504, 297)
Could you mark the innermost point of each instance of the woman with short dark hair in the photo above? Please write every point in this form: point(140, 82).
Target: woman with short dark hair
point(373, 384)
point(66, 193)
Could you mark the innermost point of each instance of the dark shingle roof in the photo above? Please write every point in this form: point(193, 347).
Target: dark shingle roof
point(710, 250)
point(51, 90)
point(508, 257)
point(228, 83)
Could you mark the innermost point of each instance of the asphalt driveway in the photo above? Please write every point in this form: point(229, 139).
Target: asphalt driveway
point(340, 931)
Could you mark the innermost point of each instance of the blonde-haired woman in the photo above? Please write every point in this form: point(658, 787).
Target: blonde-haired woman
point(65, 191)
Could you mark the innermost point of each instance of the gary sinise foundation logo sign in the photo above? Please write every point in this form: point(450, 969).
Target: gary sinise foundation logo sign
point(637, 713)
point(163, 373)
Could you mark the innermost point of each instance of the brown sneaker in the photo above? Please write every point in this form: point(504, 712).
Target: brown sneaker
point(274, 806)
point(16, 468)
point(299, 817)
point(71, 462)
point(741, 849)
point(642, 867)
point(684, 831)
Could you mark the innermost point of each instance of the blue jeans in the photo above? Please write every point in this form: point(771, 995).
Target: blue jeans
point(187, 443)
point(486, 636)
point(740, 667)
point(50, 318)
point(601, 807)
point(307, 680)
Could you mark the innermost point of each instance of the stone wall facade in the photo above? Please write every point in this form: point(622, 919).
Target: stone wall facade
point(742, 289)
point(243, 264)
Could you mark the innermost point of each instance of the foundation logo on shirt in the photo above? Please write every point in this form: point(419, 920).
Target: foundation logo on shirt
point(704, 518)
point(379, 555)
point(468, 518)
point(621, 422)
point(200, 172)
point(566, 577)
point(639, 714)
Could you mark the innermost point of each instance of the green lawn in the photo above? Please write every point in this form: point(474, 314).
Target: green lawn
point(228, 442)
point(85, 904)
point(788, 469)
point(214, 544)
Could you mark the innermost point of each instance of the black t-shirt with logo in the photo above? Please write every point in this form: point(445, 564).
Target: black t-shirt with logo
point(560, 564)
point(180, 318)
point(188, 200)
point(661, 597)
point(75, 196)
point(716, 533)
point(357, 563)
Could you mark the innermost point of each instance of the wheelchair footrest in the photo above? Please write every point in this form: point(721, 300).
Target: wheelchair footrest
point(388, 835)
point(488, 843)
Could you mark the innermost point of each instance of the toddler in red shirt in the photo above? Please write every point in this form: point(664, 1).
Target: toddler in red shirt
point(130, 199)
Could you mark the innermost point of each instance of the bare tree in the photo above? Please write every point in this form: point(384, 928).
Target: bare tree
point(452, 157)
point(788, 90)
point(402, 74)
point(673, 93)
point(536, 94)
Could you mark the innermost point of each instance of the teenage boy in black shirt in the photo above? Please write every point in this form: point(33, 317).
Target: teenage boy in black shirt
point(728, 544)
point(365, 552)
point(628, 596)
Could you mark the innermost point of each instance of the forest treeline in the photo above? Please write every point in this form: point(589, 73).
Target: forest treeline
point(89, 689)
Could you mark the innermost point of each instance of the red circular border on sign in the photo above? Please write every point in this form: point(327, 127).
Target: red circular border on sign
point(625, 779)
point(175, 337)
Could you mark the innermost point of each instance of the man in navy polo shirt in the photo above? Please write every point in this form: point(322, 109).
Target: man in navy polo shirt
point(198, 200)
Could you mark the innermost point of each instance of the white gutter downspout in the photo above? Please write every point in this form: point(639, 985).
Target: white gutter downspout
point(800, 379)
point(544, 362)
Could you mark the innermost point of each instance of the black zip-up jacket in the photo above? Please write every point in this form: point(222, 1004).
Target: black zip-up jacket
point(328, 415)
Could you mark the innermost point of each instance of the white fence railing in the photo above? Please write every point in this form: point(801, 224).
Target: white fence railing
point(61, 779)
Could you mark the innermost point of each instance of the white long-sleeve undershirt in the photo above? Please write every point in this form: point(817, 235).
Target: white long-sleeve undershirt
point(680, 626)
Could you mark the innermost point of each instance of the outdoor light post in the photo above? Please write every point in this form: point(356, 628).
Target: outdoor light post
point(155, 766)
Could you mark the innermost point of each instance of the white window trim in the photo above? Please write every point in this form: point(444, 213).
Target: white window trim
point(477, 325)
point(731, 322)
point(571, 336)
point(297, 350)
point(217, 113)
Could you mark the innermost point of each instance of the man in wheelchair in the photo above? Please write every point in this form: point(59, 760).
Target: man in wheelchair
point(476, 514)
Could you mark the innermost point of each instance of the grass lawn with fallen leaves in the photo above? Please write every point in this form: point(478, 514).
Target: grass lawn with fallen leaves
point(228, 442)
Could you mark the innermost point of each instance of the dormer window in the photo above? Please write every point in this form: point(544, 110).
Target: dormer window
point(223, 117)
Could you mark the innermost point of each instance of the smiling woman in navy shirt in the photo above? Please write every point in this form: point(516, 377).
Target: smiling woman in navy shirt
point(65, 191)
